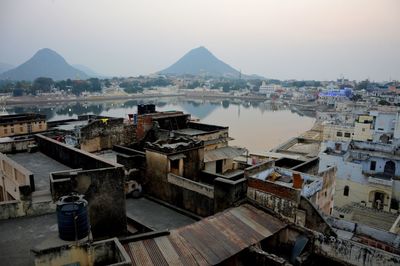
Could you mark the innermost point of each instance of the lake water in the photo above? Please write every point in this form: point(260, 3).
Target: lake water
point(258, 126)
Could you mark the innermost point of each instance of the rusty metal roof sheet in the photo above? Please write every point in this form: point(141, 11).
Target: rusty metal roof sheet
point(209, 241)
point(222, 153)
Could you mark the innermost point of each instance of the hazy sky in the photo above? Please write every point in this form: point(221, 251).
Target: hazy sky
point(301, 39)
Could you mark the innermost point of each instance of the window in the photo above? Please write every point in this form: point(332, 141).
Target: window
point(363, 129)
point(372, 166)
point(338, 146)
point(174, 167)
point(5, 131)
point(339, 134)
point(12, 130)
point(21, 129)
point(40, 126)
point(347, 135)
point(346, 191)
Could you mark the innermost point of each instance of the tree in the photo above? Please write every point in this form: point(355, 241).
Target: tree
point(18, 92)
point(383, 102)
point(42, 84)
point(363, 85)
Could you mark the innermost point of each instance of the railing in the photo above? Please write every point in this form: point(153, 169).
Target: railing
point(380, 181)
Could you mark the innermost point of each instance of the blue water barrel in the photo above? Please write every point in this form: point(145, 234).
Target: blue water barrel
point(72, 217)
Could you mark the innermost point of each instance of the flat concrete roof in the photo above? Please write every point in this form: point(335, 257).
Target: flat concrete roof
point(155, 215)
point(108, 155)
point(190, 131)
point(70, 125)
point(40, 165)
point(18, 236)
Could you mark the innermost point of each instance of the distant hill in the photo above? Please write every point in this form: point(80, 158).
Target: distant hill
point(4, 67)
point(91, 73)
point(45, 63)
point(201, 61)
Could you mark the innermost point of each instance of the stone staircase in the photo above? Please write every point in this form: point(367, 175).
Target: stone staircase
point(315, 133)
point(372, 217)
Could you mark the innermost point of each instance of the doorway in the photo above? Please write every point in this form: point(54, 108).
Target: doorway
point(218, 166)
point(390, 168)
point(379, 200)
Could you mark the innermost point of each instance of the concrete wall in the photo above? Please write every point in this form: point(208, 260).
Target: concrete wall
point(286, 208)
point(363, 132)
point(314, 220)
point(330, 132)
point(188, 184)
point(104, 191)
point(23, 128)
point(100, 181)
point(228, 192)
point(353, 253)
point(359, 192)
point(385, 122)
point(324, 200)
point(157, 184)
point(18, 208)
point(99, 135)
point(16, 145)
point(13, 177)
point(107, 252)
point(72, 157)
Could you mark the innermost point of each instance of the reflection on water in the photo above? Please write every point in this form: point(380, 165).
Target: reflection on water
point(258, 126)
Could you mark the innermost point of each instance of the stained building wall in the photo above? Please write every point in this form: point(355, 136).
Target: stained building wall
point(104, 133)
point(101, 181)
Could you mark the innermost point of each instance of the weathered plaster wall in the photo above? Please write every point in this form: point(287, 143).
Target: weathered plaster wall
point(14, 176)
point(353, 253)
point(100, 181)
point(16, 145)
point(99, 135)
point(73, 158)
point(228, 192)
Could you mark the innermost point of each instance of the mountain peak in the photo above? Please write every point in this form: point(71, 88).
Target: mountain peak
point(200, 61)
point(44, 63)
point(46, 51)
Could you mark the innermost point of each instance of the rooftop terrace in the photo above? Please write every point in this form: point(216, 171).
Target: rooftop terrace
point(40, 165)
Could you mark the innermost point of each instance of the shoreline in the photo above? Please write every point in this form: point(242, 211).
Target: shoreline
point(15, 101)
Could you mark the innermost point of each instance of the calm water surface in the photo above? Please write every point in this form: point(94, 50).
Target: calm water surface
point(257, 126)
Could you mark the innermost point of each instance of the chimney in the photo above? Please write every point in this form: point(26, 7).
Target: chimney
point(297, 181)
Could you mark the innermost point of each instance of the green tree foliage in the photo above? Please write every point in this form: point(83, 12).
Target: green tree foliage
point(138, 85)
point(42, 84)
point(230, 85)
point(363, 85)
point(194, 84)
point(18, 92)
point(6, 86)
point(383, 102)
point(79, 86)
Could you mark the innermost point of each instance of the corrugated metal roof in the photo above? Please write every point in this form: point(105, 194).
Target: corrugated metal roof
point(209, 241)
point(222, 153)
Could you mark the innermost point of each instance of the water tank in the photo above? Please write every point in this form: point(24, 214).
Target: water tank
point(72, 217)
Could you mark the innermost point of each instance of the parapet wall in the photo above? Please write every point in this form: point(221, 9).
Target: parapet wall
point(353, 253)
point(16, 145)
point(100, 181)
point(14, 179)
point(72, 157)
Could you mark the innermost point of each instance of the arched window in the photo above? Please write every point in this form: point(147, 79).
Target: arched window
point(346, 191)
